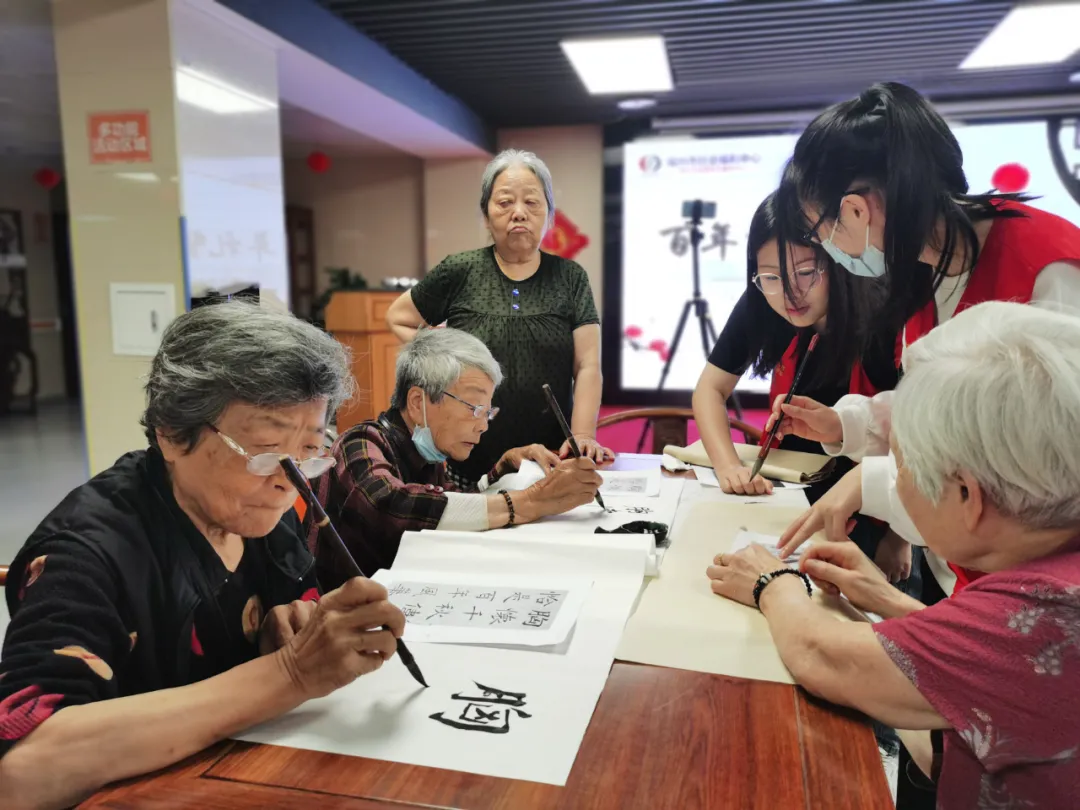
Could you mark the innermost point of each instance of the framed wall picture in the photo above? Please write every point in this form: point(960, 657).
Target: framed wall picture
point(12, 246)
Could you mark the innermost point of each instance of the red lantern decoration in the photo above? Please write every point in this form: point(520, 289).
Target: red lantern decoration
point(47, 178)
point(318, 162)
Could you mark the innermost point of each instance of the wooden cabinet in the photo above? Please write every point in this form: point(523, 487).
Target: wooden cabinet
point(358, 321)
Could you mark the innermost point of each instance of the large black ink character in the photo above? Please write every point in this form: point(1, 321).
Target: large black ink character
point(488, 712)
point(680, 239)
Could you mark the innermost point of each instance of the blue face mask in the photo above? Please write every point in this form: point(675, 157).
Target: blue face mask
point(871, 264)
point(425, 442)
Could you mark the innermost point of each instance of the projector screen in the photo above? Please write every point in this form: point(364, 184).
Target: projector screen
point(1037, 157)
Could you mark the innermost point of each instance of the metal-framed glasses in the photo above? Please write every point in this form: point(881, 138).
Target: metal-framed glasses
point(264, 464)
point(477, 410)
point(804, 279)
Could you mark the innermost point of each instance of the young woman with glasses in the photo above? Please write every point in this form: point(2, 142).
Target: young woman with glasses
point(787, 300)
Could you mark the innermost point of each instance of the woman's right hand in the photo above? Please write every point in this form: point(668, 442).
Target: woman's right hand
point(806, 418)
point(344, 639)
point(843, 568)
point(736, 480)
point(572, 483)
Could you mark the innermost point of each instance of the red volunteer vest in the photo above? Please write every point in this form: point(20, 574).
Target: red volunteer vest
point(784, 375)
point(1016, 251)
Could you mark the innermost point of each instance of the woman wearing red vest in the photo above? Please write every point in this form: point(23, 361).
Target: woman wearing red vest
point(878, 182)
point(768, 331)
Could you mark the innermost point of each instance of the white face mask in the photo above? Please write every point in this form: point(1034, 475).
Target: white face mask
point(871, 264)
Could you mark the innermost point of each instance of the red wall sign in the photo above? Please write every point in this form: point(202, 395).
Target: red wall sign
point(119, 137)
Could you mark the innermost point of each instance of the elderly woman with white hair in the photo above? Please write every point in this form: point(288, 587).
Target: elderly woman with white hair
point(534, 310)
point(390, 472)
point(985, 426)
point(170, 601)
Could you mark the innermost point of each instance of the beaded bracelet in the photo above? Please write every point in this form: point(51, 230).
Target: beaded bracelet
point(509, 506)
point(765, 579)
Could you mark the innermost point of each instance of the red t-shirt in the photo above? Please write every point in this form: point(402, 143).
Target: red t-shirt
point(1000, 661)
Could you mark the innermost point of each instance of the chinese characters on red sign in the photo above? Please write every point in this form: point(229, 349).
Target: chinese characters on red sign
point(564, 239)
point(119, 137)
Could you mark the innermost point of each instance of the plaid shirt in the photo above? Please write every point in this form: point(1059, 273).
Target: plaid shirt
point(379, 489)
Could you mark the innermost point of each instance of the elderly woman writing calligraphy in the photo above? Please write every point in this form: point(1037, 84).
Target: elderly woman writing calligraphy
point(534, 310)
point(170, 602)
point(984, 431)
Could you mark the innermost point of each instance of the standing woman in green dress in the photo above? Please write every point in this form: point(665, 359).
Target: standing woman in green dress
point(534, 310)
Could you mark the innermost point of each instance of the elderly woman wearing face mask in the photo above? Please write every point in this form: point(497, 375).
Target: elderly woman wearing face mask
point(535, 311)
point(170, 602)
point(984, 431)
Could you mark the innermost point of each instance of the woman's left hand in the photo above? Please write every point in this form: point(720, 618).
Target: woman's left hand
point(511, 459)
point(282, 623)
point(590, 448)
point(734, 574)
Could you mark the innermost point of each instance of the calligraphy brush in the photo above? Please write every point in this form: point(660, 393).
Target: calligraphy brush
point(776, 425)
point(566, 431)
point(326, 528)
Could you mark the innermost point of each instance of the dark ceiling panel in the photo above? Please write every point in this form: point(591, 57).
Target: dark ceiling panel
point(502, 58)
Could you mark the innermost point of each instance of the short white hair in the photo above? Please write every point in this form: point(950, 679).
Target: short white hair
point(995, 391)
point(435, 359)
point(516, 157)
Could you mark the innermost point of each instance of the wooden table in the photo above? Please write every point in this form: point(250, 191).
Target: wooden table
point(659, 738)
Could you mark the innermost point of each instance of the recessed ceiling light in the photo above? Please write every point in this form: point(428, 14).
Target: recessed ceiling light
point(620, 65)
point(1075, 78)
point(1029, 35)
point(636, 103)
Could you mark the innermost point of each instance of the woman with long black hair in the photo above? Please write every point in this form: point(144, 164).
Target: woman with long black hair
point(878, 183)
point(769, 330)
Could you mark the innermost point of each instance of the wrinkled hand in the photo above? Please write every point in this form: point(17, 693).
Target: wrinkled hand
point(843, 568)
point(511, 459)
point(807, 418)
point(734, 575)
point(590, 448)
point(572, 483)
point(343, 639)
point(736, 480)
point(832, 513)
point(282, 623)
point(893, 557)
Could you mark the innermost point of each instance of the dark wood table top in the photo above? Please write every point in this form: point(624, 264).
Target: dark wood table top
point(659, 738)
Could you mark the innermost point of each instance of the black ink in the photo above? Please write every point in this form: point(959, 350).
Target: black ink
point(478, 714)
point(638, 510)
point(489, 595)
point(680, 239)
point(400, 590)
point(720, 239)
point(411, 610)
point(440, 611)
point(427, 590)
point(517, 597)
point(545, 599)
point(537, 618)
point(458, 594)
point(503, 616)
point(472, 614)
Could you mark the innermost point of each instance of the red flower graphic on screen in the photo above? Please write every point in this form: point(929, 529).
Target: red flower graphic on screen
point(564, 239)
point(1010, 178)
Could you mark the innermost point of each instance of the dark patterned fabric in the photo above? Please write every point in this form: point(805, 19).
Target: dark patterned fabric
point(116, 593)
point(534, 344)
point(379, 488)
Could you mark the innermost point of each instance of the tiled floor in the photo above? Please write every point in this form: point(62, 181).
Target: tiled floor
point(42, 458)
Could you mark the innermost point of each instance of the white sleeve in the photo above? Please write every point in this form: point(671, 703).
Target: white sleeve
point(867, 422)
point(1058, 283)
point(879, 498)
point(464, 513)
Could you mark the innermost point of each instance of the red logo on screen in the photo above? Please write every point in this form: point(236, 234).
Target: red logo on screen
point(650, 164)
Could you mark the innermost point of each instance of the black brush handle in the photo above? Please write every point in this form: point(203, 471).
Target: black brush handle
point(566, 432)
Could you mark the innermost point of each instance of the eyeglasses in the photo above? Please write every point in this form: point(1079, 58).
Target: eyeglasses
point(805, 279)
point(265, 464)
point(477, 410)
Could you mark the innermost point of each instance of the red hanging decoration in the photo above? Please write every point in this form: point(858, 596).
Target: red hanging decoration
point(1010, 178)
point(47, 178)
point(318, 162)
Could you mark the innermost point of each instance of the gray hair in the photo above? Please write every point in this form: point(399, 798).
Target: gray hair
point(516, 157)
point(219, 354)
point(434, 361)
point(995, 391)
